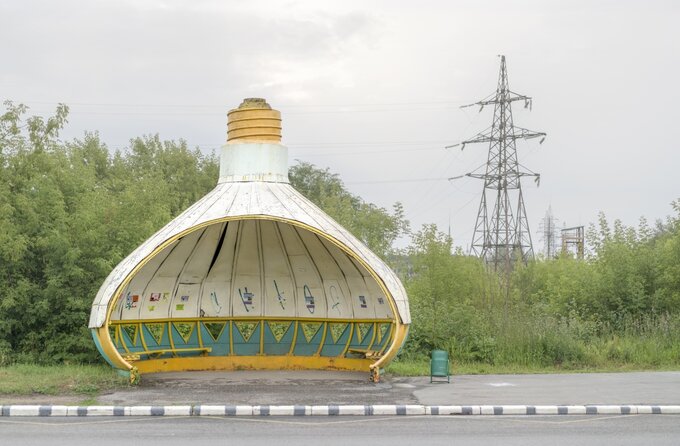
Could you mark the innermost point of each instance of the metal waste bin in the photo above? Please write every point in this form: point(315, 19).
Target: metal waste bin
point(439, 365)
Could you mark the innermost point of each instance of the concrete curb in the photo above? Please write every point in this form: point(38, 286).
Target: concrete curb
point(329, 410)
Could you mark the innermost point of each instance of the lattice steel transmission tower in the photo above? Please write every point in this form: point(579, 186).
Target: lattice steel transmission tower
point(501, 233)
point(548, 228)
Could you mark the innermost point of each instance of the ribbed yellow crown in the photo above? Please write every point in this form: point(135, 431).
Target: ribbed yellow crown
point(253, 121)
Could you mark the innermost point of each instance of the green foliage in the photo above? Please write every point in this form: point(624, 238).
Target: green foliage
point(69, 212)
point(374, 226)
point(445, 293)
point(620, 306)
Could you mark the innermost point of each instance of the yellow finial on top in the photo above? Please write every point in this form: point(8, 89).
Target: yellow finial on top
point(253, 121)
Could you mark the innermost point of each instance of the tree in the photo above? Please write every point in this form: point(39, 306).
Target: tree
point(446, 296)
point(375, 226)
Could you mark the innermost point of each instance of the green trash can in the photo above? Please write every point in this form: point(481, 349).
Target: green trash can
point(439, 365)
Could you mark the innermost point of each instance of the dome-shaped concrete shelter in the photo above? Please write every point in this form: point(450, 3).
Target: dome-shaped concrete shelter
point(252, 276)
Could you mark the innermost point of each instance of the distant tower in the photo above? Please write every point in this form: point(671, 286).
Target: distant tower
point(573, 240)
point(501, 234)
point(549, 230)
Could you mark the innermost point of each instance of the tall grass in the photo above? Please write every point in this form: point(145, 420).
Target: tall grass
point(29, 379)
point(524, 342)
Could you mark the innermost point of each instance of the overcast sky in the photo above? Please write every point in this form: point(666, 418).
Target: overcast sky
point(372, 90)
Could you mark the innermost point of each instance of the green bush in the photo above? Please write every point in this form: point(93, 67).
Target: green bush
point(617, 308)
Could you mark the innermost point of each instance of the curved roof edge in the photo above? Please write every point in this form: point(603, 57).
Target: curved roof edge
point(249, 199)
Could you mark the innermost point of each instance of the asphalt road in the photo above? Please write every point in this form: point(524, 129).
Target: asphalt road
point(393, 431)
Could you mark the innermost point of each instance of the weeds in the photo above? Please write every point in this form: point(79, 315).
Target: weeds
point(27, 379)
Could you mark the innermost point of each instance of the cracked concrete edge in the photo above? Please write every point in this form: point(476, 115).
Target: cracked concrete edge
point(331, 410)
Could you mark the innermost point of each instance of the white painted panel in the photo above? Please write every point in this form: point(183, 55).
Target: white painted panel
point(278, 282)
point(382, 306)
point(197, 267)
point(280, 296)
point(311, 302)
point(222, 269)
point(116, 313)
point(174, 263)
point(291, 241)
point(338, 299)
point(159, 293)
point(311, 299)
point(334, 282)
point(254, 162)
point(241, 202)
point(132, 303)
point(216, 291)
point(215, 301)
point(247, 290)
point(361, 299)
point(157, 298)
point(185, 301)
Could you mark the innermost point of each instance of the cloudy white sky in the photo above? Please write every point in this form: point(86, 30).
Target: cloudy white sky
point(372, 90)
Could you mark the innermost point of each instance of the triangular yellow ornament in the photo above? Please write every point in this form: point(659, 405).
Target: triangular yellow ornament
point(246, 329)
point(310, 329)
point(184, 329)
point(131, 331)
point(363, 328)
point(337, 330)
point(156, 331)
point(279, 329)
point(215, 329)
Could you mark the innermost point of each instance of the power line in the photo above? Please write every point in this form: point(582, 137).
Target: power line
point(367, 143)
point(223, 112)
point(373, 152)
point(400, 180)
point(222, 107)
point(501, 234)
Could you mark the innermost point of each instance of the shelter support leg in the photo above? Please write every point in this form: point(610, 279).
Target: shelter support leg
point(375, 374)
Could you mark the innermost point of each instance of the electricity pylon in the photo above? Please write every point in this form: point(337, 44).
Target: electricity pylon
point(501, 235)
point(549, 231)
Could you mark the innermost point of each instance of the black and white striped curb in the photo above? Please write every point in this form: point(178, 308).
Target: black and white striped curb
point(329, 410)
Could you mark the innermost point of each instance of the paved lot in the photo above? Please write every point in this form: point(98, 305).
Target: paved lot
point(320, 387)
point(563, 389)
point(393, 431)
point(310, 387)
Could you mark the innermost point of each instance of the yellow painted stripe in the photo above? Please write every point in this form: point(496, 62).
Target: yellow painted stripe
point(295, 333)
point(244, 318)
point(375, 332)
point(110, 349)
point(231, 337)
point(172, 342)
point(323, 339)
point(349, 340)
point(252, 363)
point(141, 337)
point(200, 336)
point(262, 336)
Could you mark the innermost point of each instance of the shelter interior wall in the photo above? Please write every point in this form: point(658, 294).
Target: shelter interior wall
point(252, 268)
